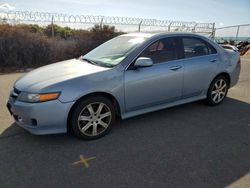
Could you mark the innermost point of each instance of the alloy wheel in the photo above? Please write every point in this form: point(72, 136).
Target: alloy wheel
point(94, 119)
point(219, 90)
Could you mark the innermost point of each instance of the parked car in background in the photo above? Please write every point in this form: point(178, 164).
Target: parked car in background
point(129, 75)
point(230, 47)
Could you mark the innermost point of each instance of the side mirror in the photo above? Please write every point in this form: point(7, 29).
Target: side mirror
point(143, 62)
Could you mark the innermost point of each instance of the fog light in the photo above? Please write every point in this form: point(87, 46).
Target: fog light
point(34, 122)
point(19, 119)
point(27, 121)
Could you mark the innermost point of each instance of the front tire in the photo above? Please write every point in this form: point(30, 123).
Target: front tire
point(217, 91)
point(93, 117)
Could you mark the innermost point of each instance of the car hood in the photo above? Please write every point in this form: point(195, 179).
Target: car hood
point(46, 76)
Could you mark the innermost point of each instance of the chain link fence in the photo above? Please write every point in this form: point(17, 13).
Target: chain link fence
point(125, 24)
point(233, 34)
point(128, 24)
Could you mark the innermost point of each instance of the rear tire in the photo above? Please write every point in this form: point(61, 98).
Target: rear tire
point(92, 118)
point(217, 91)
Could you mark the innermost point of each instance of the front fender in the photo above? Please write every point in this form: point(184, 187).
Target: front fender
point(110, 82)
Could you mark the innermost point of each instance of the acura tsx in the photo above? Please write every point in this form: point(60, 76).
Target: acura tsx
point(126, 76)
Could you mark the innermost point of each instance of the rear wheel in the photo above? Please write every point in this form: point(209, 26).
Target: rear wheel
point(217, 90)
point(93, 117)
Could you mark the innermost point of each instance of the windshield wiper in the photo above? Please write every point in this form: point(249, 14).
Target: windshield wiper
point(107, 65)
point(102, 64)
point(88, 60)
point(99, 63)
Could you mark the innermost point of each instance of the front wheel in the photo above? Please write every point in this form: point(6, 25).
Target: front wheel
point(93, 117)
point(217, 90)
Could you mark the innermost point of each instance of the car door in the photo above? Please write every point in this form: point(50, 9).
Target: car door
point(158, 84)
point(200, 63)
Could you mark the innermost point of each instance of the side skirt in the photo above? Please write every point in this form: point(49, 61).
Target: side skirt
point(161, 106)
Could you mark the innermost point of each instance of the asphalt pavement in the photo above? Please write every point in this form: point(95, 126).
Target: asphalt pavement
point(192, 145)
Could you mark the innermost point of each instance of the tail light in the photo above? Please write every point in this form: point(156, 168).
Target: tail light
point(238, 61)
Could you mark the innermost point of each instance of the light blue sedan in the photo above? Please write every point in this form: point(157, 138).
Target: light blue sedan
point(129, 75)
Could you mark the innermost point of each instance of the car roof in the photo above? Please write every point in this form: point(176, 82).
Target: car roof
point(149, 35)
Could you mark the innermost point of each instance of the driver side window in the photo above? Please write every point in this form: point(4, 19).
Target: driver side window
point(162, 50)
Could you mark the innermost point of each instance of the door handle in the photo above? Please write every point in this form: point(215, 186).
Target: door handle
point(174, 68)
point(213, 60)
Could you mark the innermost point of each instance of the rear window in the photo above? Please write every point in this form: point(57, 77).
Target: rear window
point(194, 47)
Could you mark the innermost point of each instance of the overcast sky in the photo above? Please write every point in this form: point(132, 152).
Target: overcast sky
point(222, 12)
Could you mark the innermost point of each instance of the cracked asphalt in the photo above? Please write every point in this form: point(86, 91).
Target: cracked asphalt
point(192, 145)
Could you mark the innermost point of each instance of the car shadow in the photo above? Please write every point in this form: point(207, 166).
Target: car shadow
point(191, 145)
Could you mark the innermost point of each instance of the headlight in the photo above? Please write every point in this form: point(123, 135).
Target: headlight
point(35, 97)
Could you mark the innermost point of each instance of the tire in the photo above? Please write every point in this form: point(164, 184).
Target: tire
point(93, 117)
point(217, 91)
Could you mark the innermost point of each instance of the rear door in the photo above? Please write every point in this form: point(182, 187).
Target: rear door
point(200, 60)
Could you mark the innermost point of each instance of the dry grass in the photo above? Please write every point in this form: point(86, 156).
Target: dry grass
point(29, 46)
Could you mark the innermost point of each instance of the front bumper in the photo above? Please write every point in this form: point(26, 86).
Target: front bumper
point(40, 118)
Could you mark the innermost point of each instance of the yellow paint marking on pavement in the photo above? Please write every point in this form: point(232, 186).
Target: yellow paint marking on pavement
point(84, 161)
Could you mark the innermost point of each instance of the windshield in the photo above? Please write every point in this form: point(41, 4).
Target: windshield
point(114, 51)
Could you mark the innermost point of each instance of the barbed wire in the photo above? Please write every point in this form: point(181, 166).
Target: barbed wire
point(89, 19)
